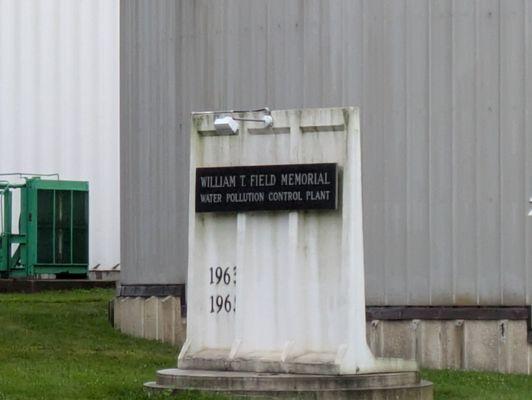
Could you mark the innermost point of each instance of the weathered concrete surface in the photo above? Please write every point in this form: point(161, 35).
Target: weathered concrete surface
point(398, 386)
point(151, 318)
point(428, 341)
point(438, 344)
point(399, 339)
point(481, 339)
point(514, 358)
point(452, 349)
point(171, 324)
point(151, 311)
point(471, 345)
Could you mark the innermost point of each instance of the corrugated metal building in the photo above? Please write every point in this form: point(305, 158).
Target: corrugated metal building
point(445, 94)
point(59, 88)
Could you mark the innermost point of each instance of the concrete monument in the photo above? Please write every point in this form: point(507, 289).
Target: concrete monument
point(275, 290)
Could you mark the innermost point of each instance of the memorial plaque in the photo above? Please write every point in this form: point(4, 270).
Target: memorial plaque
point(278, 292)
point(267, 187)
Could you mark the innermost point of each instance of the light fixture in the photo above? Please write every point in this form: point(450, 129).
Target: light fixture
point(227, 124)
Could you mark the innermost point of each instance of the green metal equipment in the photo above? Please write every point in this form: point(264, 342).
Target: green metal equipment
point(53, 235)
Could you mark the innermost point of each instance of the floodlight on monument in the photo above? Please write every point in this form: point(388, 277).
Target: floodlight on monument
point(227, 121)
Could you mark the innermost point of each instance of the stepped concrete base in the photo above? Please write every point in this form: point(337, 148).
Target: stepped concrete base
point(383, 386)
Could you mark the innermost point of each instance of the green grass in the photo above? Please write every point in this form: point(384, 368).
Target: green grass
point(59, 345)
point(451, 385)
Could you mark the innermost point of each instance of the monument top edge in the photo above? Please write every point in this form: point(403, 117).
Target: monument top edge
point(290, 110)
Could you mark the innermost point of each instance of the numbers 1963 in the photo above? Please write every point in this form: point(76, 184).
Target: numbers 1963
point(221, 277)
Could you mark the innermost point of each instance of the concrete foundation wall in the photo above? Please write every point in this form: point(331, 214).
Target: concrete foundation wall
point(151, 318)
point(499, 346)
point(458, 344)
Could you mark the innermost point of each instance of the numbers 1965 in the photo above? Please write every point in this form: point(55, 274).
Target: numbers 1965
point(219, 303)
point(222, 278)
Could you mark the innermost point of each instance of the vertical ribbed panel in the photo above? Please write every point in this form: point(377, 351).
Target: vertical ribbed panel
point(444, 89)
point(59, 87)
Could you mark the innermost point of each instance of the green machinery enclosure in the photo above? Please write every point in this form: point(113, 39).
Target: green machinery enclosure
point(53, 234)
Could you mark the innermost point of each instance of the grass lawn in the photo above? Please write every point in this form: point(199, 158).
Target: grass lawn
point(59, 345)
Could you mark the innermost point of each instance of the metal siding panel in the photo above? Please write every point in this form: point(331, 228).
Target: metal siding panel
point(513, 196)
point(245, 80)
point(259, 54)
point(464, 152)
point(127, 124)
point(440, 202)
point(130, 128)
point(394, 151)
point(291, 77)
point(373, 137)
point(312, 60)
point(353, 92)
point(227, 75)
point(426, 75)
point(170, 147)
point(528, 144)
point(216, 77)
point(332, 54)
point(352, 24)
point(140, 154)
point(154, 245)
point(8, 17)
point(59, 102)
point(276, 34)
point(417, 158)
point(488, 168)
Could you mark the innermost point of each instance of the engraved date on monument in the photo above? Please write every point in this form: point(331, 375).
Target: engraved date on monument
point(220, 303)
point(222, 278)
point(221, 275)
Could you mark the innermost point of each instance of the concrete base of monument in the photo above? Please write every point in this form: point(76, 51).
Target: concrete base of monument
point(378, 386)
point(310, 363)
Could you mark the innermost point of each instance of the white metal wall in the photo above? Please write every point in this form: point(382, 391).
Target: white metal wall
point(59, 106)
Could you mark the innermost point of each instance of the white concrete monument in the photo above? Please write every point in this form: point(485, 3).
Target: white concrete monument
point(276, 255)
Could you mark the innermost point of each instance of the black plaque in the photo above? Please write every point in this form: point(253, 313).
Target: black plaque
point(267, 187)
